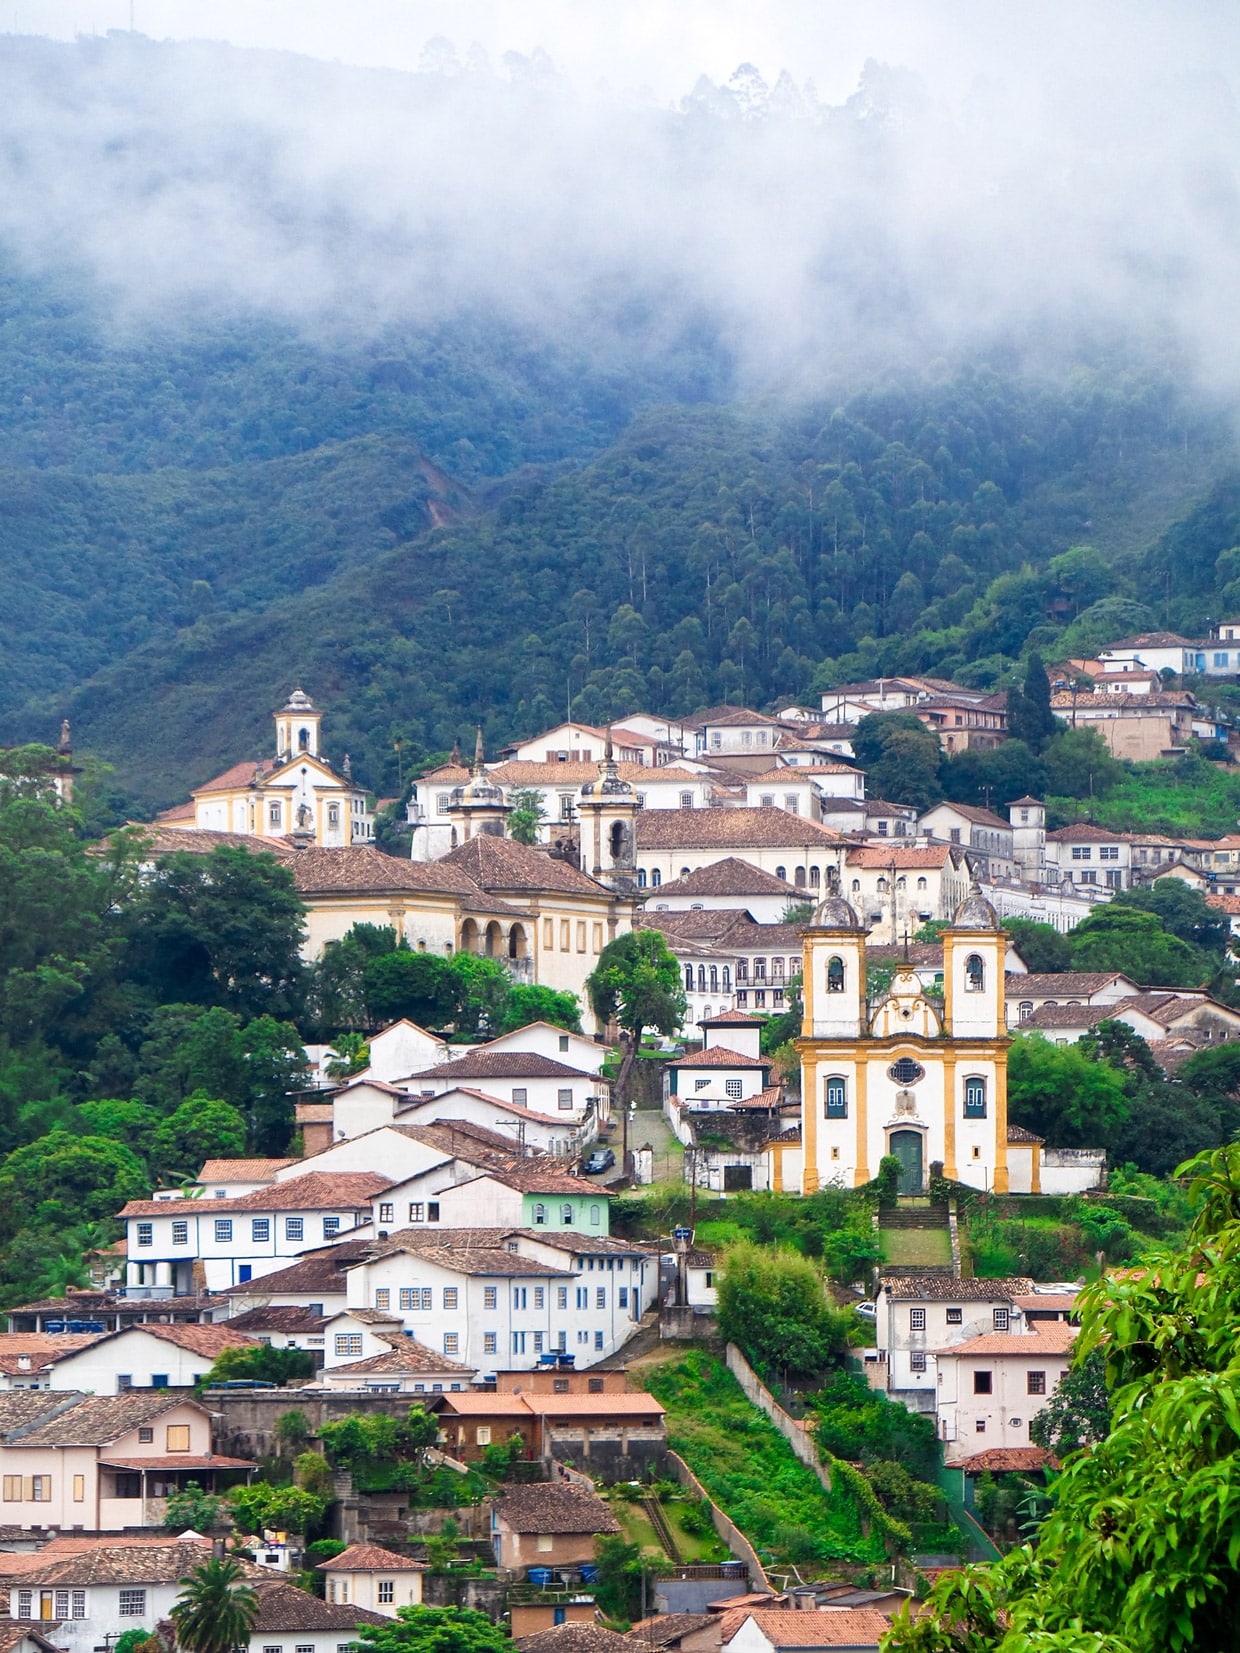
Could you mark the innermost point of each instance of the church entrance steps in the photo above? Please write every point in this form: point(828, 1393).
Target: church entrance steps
point(927, 1249)
point(910, 1214)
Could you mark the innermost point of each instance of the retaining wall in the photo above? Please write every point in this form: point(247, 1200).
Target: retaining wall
point(797, 1438)
point(727, 1529)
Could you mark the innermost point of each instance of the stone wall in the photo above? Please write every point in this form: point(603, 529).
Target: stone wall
point(798, 1439)
point(244, 1420)
point(727, 1529)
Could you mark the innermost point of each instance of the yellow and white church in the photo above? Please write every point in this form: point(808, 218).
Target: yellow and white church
point(921, 1079)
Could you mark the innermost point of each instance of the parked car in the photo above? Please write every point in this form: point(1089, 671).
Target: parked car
point(867, 1311)
point(600, 1159)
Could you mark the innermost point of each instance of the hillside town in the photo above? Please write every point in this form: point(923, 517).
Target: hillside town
point(420, 1358)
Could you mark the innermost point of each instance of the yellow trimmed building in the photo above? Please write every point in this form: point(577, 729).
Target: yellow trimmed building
point(920, 1079)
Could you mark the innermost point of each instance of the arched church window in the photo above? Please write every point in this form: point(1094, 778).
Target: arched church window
point(900, 883)
point(800, 878)
point(835, 1097)
point(815, 878)
point(882, 886)
point(974, 974)
point(835, 975)
point(856, 886)
point(303, 740)
point(617, 841)
point(566, 1215)
point(921, 884)
point(641, 878)
point(975, 1099)
point(656, 878)
point(714, 978)
point(540, 1215)
point(1026, 1009)
point(782, 872)
point(688, 978)
point(727, 979)
point(701, 978)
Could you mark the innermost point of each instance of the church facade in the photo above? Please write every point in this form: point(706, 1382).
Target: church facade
point(915, 1077)
point(296, 794)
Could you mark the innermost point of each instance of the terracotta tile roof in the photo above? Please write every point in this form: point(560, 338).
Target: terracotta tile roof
point(315, 1191)
point(880, 857)
point(242, 1170)
point(314, 1272)
point(583, 1245)
point(98, 1420)
point(15, 1631)
point(849, 1627)
point(370, 1558)
point(493, 863)
point(718, 1057)
point(1150, 639)
point(22, 1408)
point(1077, 983)
point(503, 1064)
point(1001, 1458)
point(346, 871)
point(179, 812)
point(733, 1018)
point(179, 1460)
point(1048, 1337)
point(168, 839)
point(726, 717)
point(413, 1103)
point(39, 1349)
point(935, 1288)
point(1060, 1301)
point(1084, 832)
point(462, 1139)
point(739, 829)
point(239, 776)
point(979, 817)
point(478, 1403)
point(527, 772)
point(1018, 1133)
point(489, 1261)
point(765, 1100)
point(313, 1113)
point(574, 1638)
point(286, 1317)
point(405, 1355)
point(553, 1507)
point(730, 876)
point(1067, 1015)
point(1229, 904)
point(205, 1340)
point(635, 1405)
point(110, 1560)
point(531, 1178)
point(666, 1629)
point(283, 1608)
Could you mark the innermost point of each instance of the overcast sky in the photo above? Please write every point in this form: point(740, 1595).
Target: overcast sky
point(666, 44)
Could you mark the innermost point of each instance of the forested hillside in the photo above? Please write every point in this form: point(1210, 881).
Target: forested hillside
point(347, 523)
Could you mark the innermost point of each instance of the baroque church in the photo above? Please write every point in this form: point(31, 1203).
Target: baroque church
point(297, 794)
point(921, 1079)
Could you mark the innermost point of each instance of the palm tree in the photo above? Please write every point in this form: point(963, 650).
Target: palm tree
point(214, 1613)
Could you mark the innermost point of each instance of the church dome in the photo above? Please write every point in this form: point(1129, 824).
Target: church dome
point(607, 786)
point(975, 913)
point(299, 701)
point(835, 914)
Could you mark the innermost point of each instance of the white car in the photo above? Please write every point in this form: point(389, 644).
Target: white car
point(867, 1311)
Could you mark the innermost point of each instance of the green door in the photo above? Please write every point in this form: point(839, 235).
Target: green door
point(906, 1146)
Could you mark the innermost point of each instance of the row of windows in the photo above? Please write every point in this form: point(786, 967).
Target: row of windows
point(974, 974)
point(260, 1230)
point(733, 1087)
point(66, 1604)
point(835, 1098)
point(536, 1342)
point(567, 935)
point(1106, 852)
point(917, 1319)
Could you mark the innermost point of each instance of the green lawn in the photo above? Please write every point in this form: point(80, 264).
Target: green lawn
point(749, 1470)
point(908, 1247)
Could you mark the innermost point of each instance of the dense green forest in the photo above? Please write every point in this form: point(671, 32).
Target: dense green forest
point(469, 526)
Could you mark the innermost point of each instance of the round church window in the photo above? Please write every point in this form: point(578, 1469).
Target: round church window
point(906, 1071)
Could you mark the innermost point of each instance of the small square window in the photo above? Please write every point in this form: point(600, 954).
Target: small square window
point(982, 1383)
point(1035, 1383)
point(1002, 1319)
point(980, 1426)
point(146, 1233)
point(917, 1320)
point(180, 1233)
point(917, 1360)
point(955, 1317)
point(223, 1230)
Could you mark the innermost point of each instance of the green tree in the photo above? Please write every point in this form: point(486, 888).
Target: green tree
point(526, 1004)
point(417, 986)
point(618, 1579)
point(527, 817)
point(293, 1431)
point(352, 1056)
point(275, 1071)
point(1030, 718)
point(1141, 1552)
point(62, 1179)
point(262, 1362)
point(132, 1122)
point(901, 758)
point(636, 983)
point(261, 1506)
point(338, 979)
point(224, 928)
point(1123, 938)
point(773, 1306)
point(1182, 911)
point(1079, 764)
point(434, 1630)
point(1078, 1413)
point(216, 1609)
point(189, 1507)
point(1043, 949)
point(482, 988)
point(202, 1128)
point(1058, 1092)
point(312, 1473)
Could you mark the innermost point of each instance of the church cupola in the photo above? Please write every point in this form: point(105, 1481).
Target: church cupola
point(607, 808)
point(479, 808)
point(297, 728)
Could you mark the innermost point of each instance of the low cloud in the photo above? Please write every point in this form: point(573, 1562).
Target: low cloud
point(1019, 195)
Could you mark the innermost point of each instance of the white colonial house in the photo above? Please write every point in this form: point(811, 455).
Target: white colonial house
point(367, 1576)
point(232, 1241)
point(149, 1356)
point(989, 1388)
point(488, 1297)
